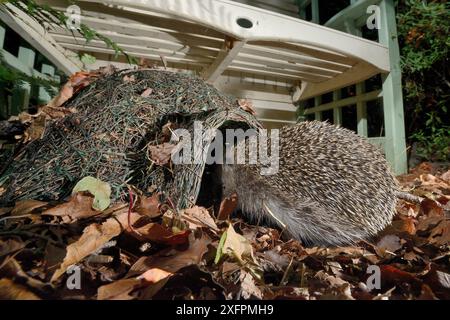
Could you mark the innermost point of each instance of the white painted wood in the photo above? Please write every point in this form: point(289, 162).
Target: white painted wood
point(283, 122)
point(344, 102)
point(43, 96)
point(228, 53)
point(2, 36)
point(221, 15)
point(358, 73)
point(276, 55)
point(35, 34)
point(286, 7)
point(21, 92)
point(133, 49)
point(180, 59)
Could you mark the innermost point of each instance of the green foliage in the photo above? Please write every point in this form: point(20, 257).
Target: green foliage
point(424, 28)
point(434, 147)
point(46, 15)
point(12, 78)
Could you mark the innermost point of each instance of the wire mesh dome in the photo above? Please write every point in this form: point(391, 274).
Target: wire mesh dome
point(111, 135)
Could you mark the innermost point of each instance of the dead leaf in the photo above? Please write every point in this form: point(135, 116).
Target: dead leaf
point(154, 275)
point(431, 208)
point(149, 206)
point(9, 290)
point(99, 189)
point(25, 207)
point(446, 176)
point(199, 217)
point(162, 153)
point(160, 234)
point(439, 282)
point(237, 246)
point(37, 129)
point(118, 290)
point(406, 225)
point(247, 106)
point(93, 238)
point(440, 234)
point(56, 112)
point(392, 276)
point(65, 94)
point(227, 207)
point(249, 288)
point(331, 280)
point(79, 206)
point(389, 243)
point(429, 223)
point(173, 260)
point(10, 246)
point(147, 93)
point(128, 79)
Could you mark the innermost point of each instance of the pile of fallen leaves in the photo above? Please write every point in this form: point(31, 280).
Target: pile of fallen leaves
point(143, 248)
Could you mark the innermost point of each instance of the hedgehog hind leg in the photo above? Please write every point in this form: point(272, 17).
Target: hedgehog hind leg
point(312, 224)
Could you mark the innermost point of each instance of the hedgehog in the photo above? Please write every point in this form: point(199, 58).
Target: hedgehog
point(332, 188)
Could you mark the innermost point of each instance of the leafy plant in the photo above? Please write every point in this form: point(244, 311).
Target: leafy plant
point(423, 28)
point(46, 15)
point(436, 146)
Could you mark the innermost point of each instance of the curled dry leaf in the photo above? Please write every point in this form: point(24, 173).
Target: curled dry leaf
point(99, 189)
point(161, 154)
point(227, 206)
point(199, 217)
point(249, 288)
point(79, 206)
point(392, 276)
point(173, 260)
point(149, 206)
point(37, 129)
point(128, 79)
point(93, 238)
point(56, 112)
point(9, 290)
point(9, 247)
point(118, 290)
point(147, 93)
point(154, 275)
point(446, 177)
point(236, 246)
point(247, 105)
point(431, 208)
point(440, 235)
point(389, 243)
point(25, 207)
point(65, 94)
point(77, 81)
point(160, 234)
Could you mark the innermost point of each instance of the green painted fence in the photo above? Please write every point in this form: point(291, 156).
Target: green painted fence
point(352, 20)
point(19, 99)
